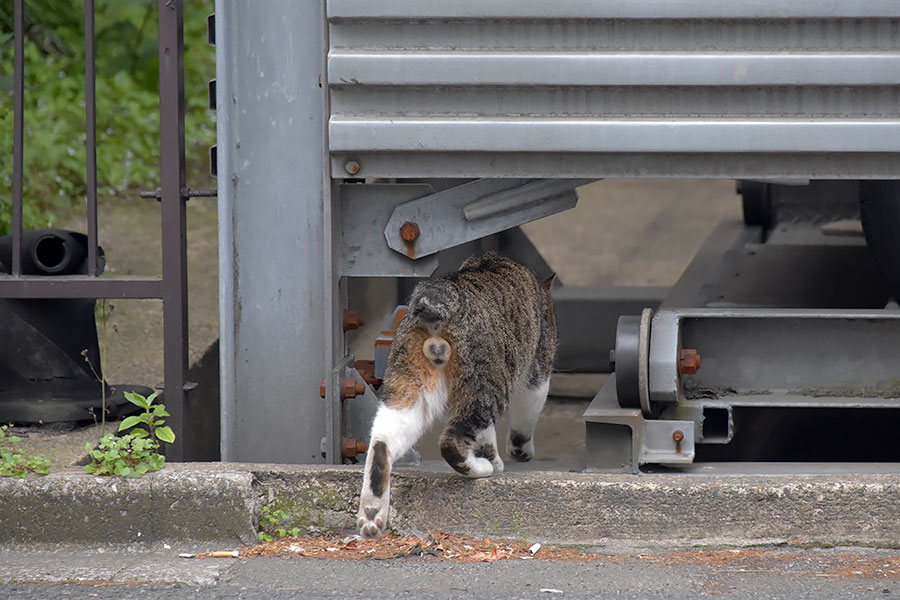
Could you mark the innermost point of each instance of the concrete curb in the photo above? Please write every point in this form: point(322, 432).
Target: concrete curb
point(179, 503)
point(222, 502)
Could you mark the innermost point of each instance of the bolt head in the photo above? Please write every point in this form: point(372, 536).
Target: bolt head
point(353, 320)
point(677, 435)
point(352, 167)
point(409, 232)
point(689, 361)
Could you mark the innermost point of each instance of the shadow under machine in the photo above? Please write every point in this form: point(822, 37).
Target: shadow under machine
point(447, 127)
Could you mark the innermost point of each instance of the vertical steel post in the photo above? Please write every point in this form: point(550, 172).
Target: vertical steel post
point(90, 120)
point(270, 121)
point(18, 133)
point(174, 234)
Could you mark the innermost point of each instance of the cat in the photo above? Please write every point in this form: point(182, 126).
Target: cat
point(473, 343)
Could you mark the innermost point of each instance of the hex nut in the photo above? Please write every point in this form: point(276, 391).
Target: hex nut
point(350, 388)
point(353, 320)
point(351, 447)
point(689, 361)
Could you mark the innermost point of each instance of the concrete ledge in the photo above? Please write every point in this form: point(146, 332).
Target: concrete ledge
point(221, 503)
point(593, 509)
point(182, 502)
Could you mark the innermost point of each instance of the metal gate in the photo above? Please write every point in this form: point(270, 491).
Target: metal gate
point(171, 287)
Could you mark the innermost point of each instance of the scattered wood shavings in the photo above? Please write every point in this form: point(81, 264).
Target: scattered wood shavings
point(433, 545)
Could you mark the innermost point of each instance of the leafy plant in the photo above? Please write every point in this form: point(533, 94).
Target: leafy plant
point(271, 525)
point(14, 462)
point(134, 453)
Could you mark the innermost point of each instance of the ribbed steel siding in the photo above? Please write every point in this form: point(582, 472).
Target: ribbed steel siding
point(628, 88)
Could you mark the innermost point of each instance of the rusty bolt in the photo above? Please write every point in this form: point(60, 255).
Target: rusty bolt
point(350, 388)
point(689, 361)
point(366, 369)
point(409, 232)
point(353, 320)
point(350, 447)
point(352, 167)
point(678, 436)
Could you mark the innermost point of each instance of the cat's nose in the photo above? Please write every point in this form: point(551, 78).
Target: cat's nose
point(437, 349)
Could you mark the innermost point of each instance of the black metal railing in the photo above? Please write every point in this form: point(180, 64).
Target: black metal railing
point(171, 287)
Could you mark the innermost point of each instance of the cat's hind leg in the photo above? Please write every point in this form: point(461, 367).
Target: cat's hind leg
point(524, 410)
point(395, 430)
point(486, 447)
point(470, 447)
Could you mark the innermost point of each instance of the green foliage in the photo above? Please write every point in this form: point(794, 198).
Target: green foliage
point(127, 85)
point(14, 462)
point(134, 453)
point(272, 525)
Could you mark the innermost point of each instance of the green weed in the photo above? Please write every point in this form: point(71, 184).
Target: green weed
point(14, 462)
point(134, 453)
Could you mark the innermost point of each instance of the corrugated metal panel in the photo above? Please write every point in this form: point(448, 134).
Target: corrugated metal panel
point(649, 88)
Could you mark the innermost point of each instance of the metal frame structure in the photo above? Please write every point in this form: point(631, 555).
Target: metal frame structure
point(171, 287)
point(378, 139)
point(773, 315)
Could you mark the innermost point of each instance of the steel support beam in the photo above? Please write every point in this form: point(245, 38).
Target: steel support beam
point(272, 239)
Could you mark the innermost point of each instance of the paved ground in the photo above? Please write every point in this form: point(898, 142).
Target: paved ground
point(773, 573)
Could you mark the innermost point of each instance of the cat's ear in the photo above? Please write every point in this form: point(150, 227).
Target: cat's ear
point(548, 283)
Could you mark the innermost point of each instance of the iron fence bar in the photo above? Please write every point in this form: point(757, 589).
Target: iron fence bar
point(187, 193)
point(18, 133)
point(174, 234)
point(90, 117)
point(83, 286)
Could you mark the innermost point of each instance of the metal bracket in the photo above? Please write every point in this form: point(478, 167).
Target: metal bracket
point(365, 211)
point(621, 439)
point(473, 210)
point(331, 443)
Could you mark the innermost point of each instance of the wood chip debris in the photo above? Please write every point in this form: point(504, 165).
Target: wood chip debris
point(435, 545)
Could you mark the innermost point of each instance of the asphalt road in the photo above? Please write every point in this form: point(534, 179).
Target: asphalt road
point(793, 574)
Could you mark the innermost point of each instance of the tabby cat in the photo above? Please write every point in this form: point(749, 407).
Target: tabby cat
point(472, 343)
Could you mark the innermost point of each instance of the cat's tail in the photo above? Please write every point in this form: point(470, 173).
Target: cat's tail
point(437, 351)
point(433, 302)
